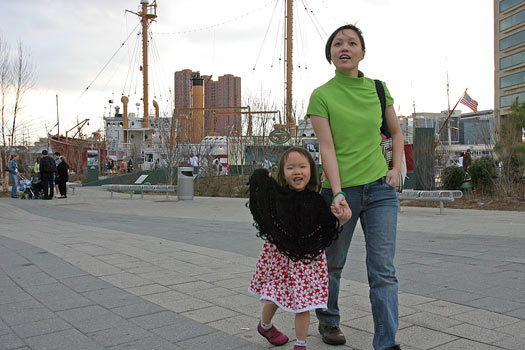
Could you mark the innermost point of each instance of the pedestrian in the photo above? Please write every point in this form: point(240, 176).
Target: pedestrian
point(467, 160)
point(36, 167)
point(193, 160)
point(13, 174)
point(62, 177)
point(460, 159)
point(123, 166)
point(297, 225)
point(216, 164)
point(36, 181)
point(267, 164)
point(47, 172)
point(56, 156)
point(346, 115)
point(130, 166)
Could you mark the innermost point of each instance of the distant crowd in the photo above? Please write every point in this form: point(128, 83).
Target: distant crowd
point(123, 167)
point(49, 173)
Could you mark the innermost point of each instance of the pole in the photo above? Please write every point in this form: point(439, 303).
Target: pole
point(58, 120)
point(144, 20)
point(446, 120)
point(290, 122)
point(448, 123)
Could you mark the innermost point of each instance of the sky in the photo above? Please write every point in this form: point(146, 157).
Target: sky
point(410, 44)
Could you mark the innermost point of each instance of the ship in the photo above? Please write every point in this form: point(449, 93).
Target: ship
point(75, 149)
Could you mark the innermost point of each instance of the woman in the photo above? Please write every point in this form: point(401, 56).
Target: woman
point(346, 116)
point(13, 174)
point(62, 177)
point(36, 167)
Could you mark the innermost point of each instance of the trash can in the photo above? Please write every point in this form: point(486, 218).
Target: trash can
point(185, 183)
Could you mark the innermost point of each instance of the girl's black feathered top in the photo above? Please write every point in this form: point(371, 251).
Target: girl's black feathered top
point(300, 224)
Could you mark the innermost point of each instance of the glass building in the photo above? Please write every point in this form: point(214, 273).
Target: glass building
point(509, 55)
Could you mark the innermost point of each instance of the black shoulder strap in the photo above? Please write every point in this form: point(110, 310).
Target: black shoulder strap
point(382, 98)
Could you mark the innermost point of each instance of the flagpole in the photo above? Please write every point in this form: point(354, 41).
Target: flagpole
point(446, 120)
point(448, 104)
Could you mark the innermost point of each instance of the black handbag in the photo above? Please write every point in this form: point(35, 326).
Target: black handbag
point(386, 145)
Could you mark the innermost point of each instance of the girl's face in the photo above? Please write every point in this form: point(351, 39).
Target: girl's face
point(347, 52)
point(297, 171)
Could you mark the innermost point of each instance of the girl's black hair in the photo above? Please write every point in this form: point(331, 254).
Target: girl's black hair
point(313, 184)
point(331, 39)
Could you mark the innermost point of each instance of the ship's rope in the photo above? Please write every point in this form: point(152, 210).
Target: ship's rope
point(265, 35)
point(213, 26)
point(108, 62)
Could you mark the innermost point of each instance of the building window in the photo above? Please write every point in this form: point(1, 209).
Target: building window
point(511, 80)
point(512, 21)
point(507, 4)
point(508, 100)
point(512, 40)
point(512, 60)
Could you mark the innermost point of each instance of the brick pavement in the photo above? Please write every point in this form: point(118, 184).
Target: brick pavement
point(69, 280)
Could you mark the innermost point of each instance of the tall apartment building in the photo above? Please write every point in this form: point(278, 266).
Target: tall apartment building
point(225, 92)
point(509, 55)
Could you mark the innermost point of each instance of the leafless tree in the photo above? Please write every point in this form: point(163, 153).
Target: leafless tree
point(511, 149)
point(170, 148)
point(23, 73)
point(17, 77)
point(5, 84)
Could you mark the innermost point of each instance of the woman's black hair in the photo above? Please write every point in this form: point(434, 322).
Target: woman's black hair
point(331, 39)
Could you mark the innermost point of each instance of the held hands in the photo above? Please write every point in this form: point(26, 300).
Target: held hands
point(341, 209)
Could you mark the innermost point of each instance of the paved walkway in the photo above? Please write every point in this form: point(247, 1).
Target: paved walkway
point(89, 272)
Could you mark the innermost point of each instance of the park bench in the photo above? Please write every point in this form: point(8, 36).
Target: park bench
point(73, 185)
point(440, 196)
point(140, 188)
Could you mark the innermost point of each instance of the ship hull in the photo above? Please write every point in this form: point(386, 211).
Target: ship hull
point(75, 151)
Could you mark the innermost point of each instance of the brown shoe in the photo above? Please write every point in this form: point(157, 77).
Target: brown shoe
point(331, 335)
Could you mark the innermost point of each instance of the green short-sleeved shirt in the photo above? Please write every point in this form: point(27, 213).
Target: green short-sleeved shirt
point(353, 110)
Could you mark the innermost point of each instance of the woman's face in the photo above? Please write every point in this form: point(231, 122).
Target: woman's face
point(347, 52)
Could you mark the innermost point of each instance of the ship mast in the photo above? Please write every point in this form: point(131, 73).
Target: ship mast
point(145, 19)
point(290, 121)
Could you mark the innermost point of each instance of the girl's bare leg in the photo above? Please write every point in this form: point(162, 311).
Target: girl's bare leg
point(302, 321)
point(268, 310)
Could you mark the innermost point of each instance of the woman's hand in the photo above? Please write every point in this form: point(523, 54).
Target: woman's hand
point(344, 213)
point(392, 176)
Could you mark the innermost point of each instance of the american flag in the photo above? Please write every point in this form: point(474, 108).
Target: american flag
point(469, 102)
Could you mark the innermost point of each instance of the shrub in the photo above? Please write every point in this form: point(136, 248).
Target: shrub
point(452, 177)
point(483, 172)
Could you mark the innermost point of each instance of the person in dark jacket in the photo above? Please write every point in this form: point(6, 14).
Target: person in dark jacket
point(62, 177)
point(467, 160)
point(47, 170)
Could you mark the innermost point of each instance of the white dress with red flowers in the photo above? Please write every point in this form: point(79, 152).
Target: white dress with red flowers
point(293, 286)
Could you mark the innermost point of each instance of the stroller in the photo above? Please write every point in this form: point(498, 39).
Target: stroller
point(31, 189)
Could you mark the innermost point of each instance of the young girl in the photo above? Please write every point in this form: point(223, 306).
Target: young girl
point(297, 225)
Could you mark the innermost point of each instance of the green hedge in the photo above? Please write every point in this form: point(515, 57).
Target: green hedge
point(452, 177)
point(483, 172)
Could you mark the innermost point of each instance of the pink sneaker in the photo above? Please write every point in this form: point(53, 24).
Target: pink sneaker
point(299, 347)
point(273, 335)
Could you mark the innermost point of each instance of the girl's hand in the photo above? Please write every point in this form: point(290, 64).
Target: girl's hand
point(337, 202)
point(344, 213)
point(392, 176)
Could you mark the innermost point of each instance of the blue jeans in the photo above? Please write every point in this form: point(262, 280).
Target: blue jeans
point(376, 205)
point(14, 182)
